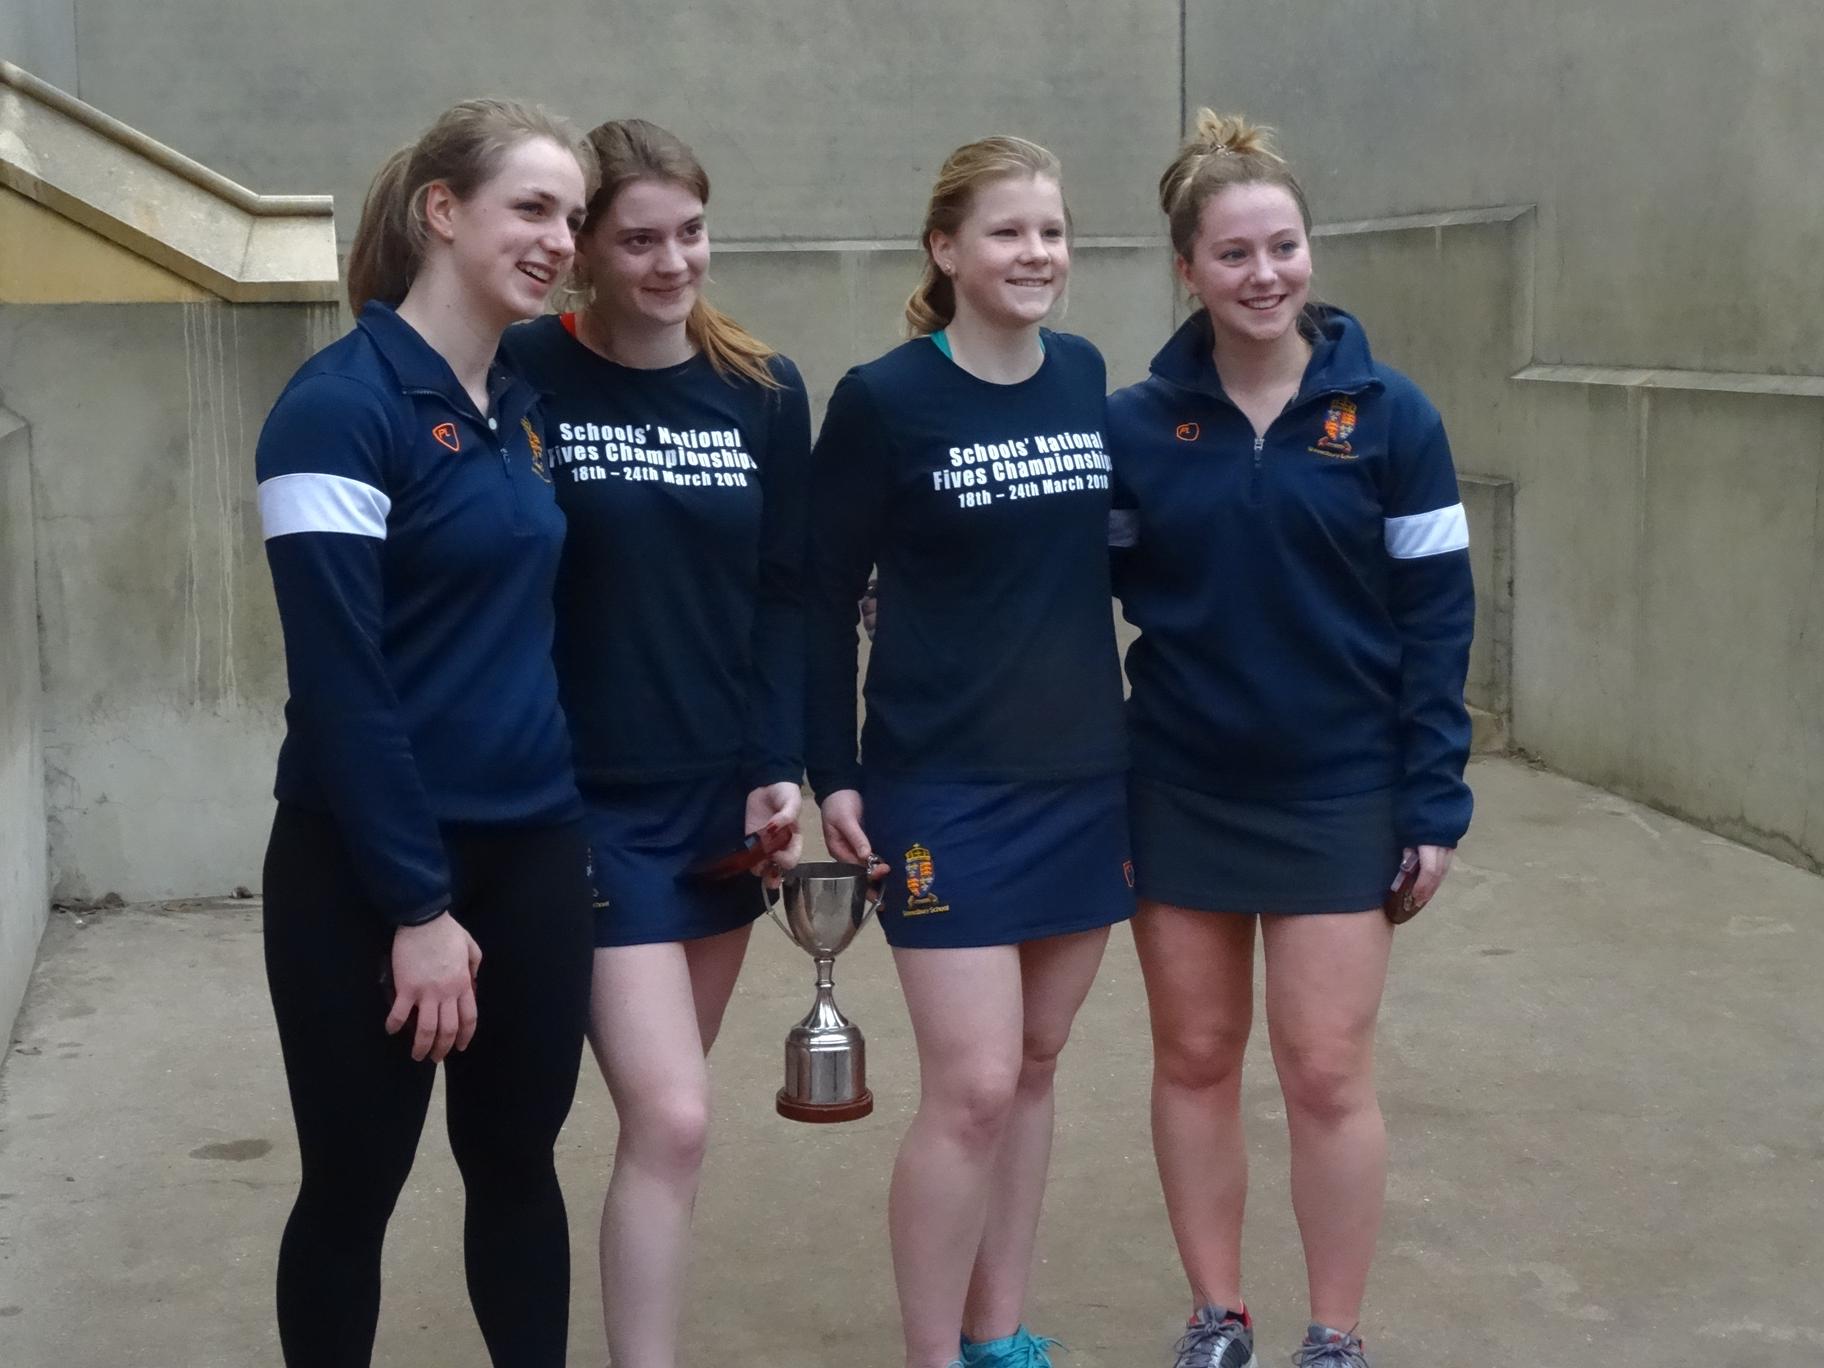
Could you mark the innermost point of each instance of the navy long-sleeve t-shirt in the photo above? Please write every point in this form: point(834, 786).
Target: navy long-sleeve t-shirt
point(413, 544)
point(1303, 599)
point(680, 616)
point(985, 507)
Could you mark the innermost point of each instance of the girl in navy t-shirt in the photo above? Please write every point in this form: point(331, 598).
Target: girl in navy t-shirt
point(678, 445)
point(969, 465)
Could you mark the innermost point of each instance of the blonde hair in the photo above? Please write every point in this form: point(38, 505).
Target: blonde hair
point(463, 149)
point(932, 304)
point(1222, 150)
point(630, 150)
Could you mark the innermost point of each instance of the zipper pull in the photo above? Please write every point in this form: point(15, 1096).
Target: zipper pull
point(1259, 442)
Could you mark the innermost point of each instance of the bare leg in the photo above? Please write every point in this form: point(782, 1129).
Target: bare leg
point(1055, 976)
point(654, 1010)
point(1324, 979)
point(966, 1015)
point(1199, 969)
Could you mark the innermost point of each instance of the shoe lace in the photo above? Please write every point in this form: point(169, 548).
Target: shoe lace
point(1030, 1351)
point(1202, 1344)
point(1342, 1351)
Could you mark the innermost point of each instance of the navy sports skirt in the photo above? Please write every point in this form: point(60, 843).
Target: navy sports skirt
point(1279, 855)
point(642, 837)
point(999, 863)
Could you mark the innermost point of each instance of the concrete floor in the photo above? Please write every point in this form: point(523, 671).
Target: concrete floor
point(1602, 1065)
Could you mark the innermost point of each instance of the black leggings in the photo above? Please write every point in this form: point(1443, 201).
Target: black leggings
point(359, 1100)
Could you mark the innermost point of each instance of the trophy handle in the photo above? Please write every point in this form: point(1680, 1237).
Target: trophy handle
point(877, 890)
point(772, 910)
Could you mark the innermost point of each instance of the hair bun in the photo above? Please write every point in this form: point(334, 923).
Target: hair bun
point(1213, 134)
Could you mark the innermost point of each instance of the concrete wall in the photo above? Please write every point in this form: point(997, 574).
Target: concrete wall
point(40, 35)
point(24, 899)
point(1667, 544)
point(817, 120)
point(162, 665)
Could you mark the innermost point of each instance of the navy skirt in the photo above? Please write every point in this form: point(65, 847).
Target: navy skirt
point(642, 837)
point(999, 863)
point(1279, 855)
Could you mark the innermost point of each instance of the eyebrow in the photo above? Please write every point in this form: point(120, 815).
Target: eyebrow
point(654, 228)
point(1277, 232)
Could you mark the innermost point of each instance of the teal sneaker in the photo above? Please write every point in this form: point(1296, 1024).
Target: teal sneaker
point(1021, 1349)
point(1327, 1348)
point(1217, 1338)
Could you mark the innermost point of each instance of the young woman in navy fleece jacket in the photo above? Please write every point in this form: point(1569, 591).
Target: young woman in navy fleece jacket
point(428, 820)
point(679, 447)
point(969, 465)
point(1289, 542)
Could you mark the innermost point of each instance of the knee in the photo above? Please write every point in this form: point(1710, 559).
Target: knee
point(1326, 1080)
point(974, 1109)
point(347, 1212)
point(1201, 1059)
point(668, 1130)
point(1039, 1059)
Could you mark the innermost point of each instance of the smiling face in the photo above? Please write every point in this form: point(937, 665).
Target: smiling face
point(513, 239)
point(1250, 264)
point(646, 256)
point(1010, 257)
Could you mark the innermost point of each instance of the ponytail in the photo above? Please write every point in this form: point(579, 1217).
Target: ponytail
point(389, 241)
point(931, 307)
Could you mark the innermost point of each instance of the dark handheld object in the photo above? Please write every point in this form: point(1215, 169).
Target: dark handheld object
point(1400, 905)
point(756, 848)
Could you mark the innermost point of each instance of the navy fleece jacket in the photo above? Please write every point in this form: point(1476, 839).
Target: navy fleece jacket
point(1303, 598)
point(413, 544)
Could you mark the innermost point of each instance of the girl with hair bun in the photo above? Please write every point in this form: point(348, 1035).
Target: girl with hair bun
point(969, 465)
point(1289, 542)
point(680, 449)
point(428, 819)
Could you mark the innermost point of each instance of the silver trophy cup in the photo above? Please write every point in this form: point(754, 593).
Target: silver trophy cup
point(825, 902)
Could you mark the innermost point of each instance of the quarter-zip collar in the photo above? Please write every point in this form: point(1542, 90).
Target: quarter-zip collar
point(420, 368)
point(1340, 362)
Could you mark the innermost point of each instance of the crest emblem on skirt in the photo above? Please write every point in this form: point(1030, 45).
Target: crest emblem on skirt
point(921, 881)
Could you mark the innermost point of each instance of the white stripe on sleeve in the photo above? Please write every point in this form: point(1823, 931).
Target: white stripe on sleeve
point(1427, 534)
point(322, 503)
point(1123, 527)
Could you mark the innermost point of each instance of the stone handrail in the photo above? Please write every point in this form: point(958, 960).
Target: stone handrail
point(159, 204)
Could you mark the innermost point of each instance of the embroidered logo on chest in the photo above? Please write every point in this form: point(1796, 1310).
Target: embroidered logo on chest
point(1339, 422)
point(538, 451)
point(445, 433)
point(1187, 432)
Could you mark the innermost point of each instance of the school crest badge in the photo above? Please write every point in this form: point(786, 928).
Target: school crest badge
point(921, 883)
point(1339, 422)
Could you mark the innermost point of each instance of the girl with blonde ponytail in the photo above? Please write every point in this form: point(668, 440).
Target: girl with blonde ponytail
point(969, 465)
point(428, 817)
point(1289, 542)
point(680, 450)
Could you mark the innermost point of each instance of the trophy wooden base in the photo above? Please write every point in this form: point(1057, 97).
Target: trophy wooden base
point(820, 1113)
